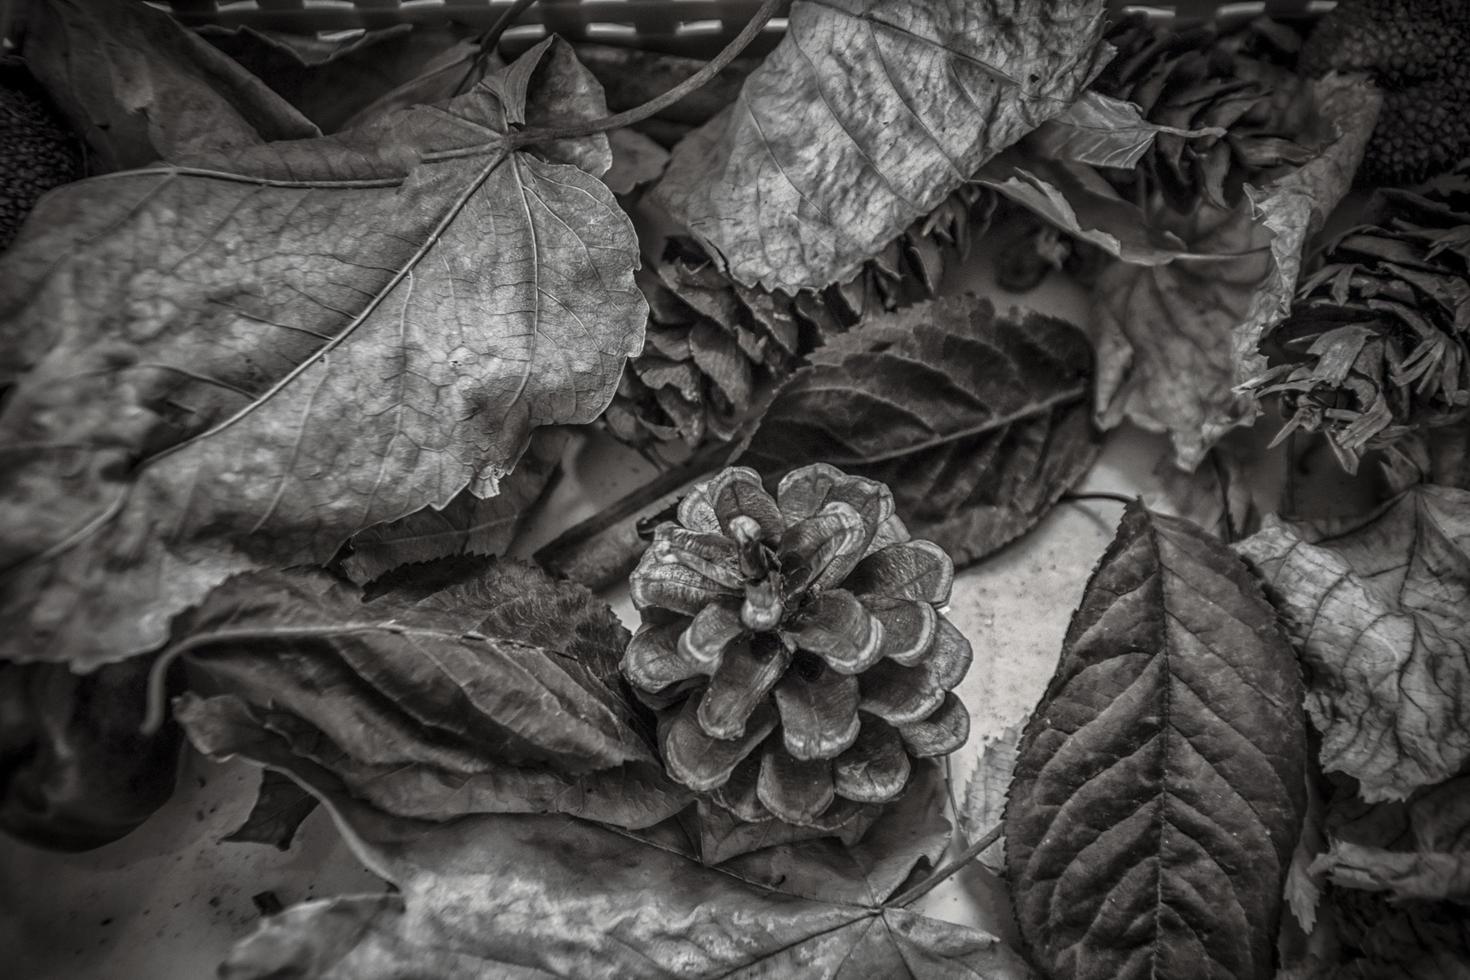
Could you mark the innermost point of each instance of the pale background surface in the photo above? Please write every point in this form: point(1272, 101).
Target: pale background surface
point(166, 902)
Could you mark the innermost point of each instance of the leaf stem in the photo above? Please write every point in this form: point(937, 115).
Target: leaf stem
point(1117, 498)
point(658, 104)
point(969, 854)
point(491, 38)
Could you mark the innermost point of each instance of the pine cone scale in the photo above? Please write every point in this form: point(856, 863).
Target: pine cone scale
point(875, 769)
point(819, 714)
point(745, 676)
point(703, 763)
point(941, 733)
point(796, 790)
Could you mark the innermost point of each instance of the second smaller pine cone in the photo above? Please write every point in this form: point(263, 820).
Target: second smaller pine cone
point(793, 648)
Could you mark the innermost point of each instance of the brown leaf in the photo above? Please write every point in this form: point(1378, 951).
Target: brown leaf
point(1379, 605)
point(1159, 789)
point(867, 114)
point(319, 336)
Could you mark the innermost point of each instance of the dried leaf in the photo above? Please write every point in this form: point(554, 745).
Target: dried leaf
point(511, 896)
point(1159, 788)
point(280, 807)
point(498, 694)
point(1200, 319)
point(1103, 131)
point(978, 424)
point(1294, 207)
point(331, 81)
point(469, 525)
point(636, 161)
point(866, 115)
point(140, 88)
point(1379, 606)
point(985, 795)
point(248, 360)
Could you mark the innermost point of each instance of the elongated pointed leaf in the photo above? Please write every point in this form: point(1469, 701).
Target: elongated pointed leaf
point(510, 896)
point(1380, 608)
point(494, 695)
point(249, 359)
point(1158, 789)
point(863, 119)
point(977, 424)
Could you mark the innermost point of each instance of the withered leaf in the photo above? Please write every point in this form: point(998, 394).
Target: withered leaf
point(498, 694)
point(1103, 131)
point(1379, 605)
point(977, 423)
point(1159, 787)
point(139, 88)
point(985, 794)
point(516, 896)
point(250, 358)
point(863, 119)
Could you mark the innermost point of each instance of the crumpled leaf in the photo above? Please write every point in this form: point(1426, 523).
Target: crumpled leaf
point(498, 694)
point(1379, 606)
point(248, 360)
point(469, 525)
point(1103, 131)
point(1159, 787)
point(636, 161)
point(1200, 319)
point(280, 808)
point(977, 423)
point(1294, 208)
point(523, 897)
point(333, 81)
point(140, 88)
point(863, 119)
point(1077, 200)
point(985, 795)
point(1217, 495)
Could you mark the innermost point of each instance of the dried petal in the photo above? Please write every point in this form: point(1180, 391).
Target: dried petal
point(819, 552)
point(941, 733)
point(875, 769)
point(912, 570)
point(655, 658)
point(745, 677)
point(684, 571)
point(818, 714)
point(908, 628)
point(739, 796)
point(795, 790)
point(703, 763)
point(737, 492)
point(837, 628)
point(710, 632)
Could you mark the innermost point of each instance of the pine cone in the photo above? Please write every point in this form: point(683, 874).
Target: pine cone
point(37, 150)
point(1198, 78)
point(1379, 336)
point(713, 345)
point(792, 649)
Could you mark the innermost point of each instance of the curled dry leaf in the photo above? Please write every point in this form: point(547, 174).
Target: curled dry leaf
point(518, 896)
point(1200, 317)
point(1159, 786)
point(864, 117)
point(1102, 131)
point(977, 423)
point(280, 807)
point(498, 694)
point(140, 88)
point(250, 358)
point(1379, 606)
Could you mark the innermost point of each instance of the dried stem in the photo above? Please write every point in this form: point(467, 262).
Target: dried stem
point(969, 854)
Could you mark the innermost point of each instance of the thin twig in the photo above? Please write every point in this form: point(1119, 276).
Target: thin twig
point(491, 38)
point(656, 105)
point(948, 871)
point(1117, 498)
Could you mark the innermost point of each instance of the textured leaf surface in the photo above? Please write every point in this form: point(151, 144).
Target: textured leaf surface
point(1379, 606)
point(1159, 787)
point(140, 88)
point(977, 423)
point(1175, 340)
point(470, 525)
point(1103, 131)
point(985, 794)
point(865, 117)
point(250, 359)
point(524, 897)
point(494, 695)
